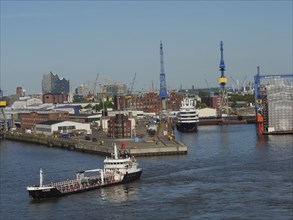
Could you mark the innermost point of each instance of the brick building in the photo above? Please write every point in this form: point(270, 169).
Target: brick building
point(211, 101)
point(149, 102)
point(119, 126)
point(55, 98)
point(173, 102)
point(29, 120)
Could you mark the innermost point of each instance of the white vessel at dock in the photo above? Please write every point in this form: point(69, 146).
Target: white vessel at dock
point(187, 118)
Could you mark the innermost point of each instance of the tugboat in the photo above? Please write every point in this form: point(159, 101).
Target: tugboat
point(119, 168)
point(187, 118)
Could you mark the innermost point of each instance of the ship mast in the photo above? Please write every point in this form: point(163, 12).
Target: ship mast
point(41, 177)
point(115, 151)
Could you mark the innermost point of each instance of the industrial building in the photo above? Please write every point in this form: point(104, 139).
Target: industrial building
point(61, 127)
point(59, 98)
point(113, 89)
point(82, 90)
point(149, 102)
point(207, 113)
point(211, 101)
point(28, 120)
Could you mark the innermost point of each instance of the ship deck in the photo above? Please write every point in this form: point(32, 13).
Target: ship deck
point(70, 186)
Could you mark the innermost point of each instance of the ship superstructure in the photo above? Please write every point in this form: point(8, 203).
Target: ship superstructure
point(187, 118)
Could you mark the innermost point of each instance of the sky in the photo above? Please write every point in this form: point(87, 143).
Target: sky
point(116, 39)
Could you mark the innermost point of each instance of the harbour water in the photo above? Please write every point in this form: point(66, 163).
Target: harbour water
point(227, 174)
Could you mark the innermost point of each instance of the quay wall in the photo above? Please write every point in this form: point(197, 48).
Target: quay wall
point(162, 147)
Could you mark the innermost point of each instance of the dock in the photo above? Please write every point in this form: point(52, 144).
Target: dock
point(160, 144)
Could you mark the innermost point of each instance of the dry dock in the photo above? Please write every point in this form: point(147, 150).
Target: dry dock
point(156, 145)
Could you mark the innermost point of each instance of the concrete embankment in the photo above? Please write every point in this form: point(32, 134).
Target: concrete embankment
point(149, 146)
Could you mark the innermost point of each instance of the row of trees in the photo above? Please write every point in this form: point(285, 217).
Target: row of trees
point(98, 107)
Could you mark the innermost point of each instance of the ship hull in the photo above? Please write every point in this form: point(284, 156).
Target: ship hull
point(187, 127)
point(40, 194)
point(54, 192)
point(131, 176)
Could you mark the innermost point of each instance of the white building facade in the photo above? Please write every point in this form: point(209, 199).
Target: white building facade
point(62, 127)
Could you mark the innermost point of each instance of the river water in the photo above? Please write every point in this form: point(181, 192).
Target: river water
point(227, 174)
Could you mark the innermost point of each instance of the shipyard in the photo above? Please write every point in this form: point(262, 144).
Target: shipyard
point(143, 122)
point(146, 110)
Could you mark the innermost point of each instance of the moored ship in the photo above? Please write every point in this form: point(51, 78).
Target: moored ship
point(187, 118)
point(119, 168)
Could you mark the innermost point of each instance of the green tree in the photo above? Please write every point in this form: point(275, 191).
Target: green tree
point(88, 106)
point(99, 107)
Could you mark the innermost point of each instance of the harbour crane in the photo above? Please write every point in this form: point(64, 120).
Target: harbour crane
point(222, 81)
point(93, 95)
point(208, 87)
point(129, 97)
point(236, 86)
point(163, 87)
point(132, 84)
point(95, 86)
point(243, 83)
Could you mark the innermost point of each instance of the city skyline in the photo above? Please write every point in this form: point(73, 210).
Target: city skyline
point(77, 40)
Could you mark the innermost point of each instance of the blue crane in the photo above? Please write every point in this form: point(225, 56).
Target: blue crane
point(163, 88)
point(222, 81)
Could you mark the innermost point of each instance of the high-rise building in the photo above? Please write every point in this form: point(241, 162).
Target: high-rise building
point(51, 83)
point(83, 90)
point(19, 91)
point(114, 89)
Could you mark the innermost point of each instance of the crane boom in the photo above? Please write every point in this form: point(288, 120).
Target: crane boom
point(95, 86)
point(132, 84)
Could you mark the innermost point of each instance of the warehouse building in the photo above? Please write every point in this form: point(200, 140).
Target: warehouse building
point(61, 127)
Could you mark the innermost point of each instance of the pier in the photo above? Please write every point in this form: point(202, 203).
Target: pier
point(160, 144)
